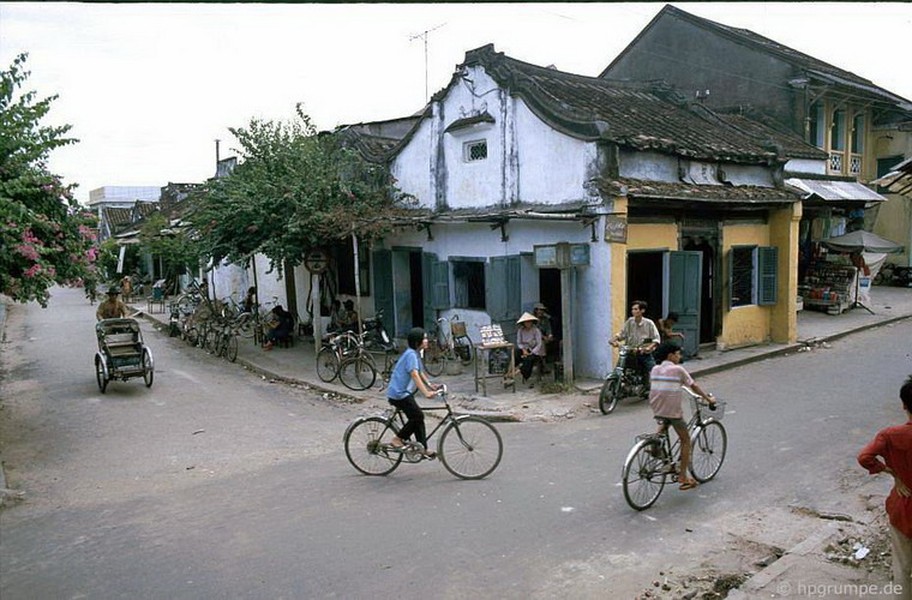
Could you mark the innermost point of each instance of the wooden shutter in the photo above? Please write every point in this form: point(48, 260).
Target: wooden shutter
point(383, 286)
point(767, 274)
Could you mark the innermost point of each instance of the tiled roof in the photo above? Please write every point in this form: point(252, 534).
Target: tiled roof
point(118, 216)
point(373, 148)
point(684, 193)
point(642, 116)
point(787, 143)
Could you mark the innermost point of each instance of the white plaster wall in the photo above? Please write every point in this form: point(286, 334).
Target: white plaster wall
point(590, 291)
point(651, 166)
point(412, 167)
point(269, 288)
point(228, 280)
point(804, 165)
point(552, 166)
point(476, 183)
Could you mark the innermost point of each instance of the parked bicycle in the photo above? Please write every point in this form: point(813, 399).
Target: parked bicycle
point(654, 458)
point(336, 349)
point(469, 446)
point(450, 343)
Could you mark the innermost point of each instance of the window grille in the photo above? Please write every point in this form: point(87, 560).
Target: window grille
point(475, 151)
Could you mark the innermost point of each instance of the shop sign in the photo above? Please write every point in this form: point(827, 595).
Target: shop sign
point(616, 229)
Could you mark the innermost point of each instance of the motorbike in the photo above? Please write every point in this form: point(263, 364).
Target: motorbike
point(624, 380)
point(896, 275)
point(376, 337)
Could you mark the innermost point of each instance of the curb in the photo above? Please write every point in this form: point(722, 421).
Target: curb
point(790, 348)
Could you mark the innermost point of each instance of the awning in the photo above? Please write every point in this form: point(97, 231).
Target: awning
point(834, 190)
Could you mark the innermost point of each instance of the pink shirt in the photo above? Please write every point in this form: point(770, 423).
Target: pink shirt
point(894, 446)
point(665, 394)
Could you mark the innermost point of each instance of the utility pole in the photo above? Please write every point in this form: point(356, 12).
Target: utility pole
point(424, 36)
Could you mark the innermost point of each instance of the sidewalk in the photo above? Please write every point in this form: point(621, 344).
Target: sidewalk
point(297, 365)
point(808, 569)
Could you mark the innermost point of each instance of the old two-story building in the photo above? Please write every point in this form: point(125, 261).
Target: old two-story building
point(863, 129)
point(655, 197)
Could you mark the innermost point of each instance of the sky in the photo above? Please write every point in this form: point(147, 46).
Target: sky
point(148, 88)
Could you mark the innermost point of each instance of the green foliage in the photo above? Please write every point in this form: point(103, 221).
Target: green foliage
point(177, 250)
point(45, 237)
point(293, 190)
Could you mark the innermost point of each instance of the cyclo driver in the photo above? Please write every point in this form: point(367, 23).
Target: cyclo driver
point(642, 334)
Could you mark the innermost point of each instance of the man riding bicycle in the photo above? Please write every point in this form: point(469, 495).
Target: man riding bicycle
point(666, 398)
point(640, 333)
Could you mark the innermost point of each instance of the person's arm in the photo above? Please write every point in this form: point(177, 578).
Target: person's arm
point(420, 383)
point(704, 395)
point(537, 343)
point(870, 459)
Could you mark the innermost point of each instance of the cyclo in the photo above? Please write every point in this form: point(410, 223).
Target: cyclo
point(121, 353)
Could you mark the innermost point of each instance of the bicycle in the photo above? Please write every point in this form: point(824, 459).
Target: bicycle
point(469, 446)
point(447, 346)
point(336, 348)
point(653, 457)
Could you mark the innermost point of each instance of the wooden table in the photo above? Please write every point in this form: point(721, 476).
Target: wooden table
point(482, 373)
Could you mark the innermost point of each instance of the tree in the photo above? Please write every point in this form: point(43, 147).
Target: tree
point(45, 238)
point(293, 190)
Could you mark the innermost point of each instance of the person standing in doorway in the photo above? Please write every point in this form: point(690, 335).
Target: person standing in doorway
point(890, 452)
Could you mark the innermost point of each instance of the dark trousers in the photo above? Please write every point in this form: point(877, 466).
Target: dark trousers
point(525, 363)
point(415, 422)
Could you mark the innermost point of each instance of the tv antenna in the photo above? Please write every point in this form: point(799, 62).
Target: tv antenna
point(424, 36)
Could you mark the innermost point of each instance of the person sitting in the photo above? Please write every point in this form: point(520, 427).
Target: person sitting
point(530, 349)
point(552, 344)
point(666, 329)
point(283, 329)
point(335, 313)
point(348, 318)
point(112, 308)
point(250, 300)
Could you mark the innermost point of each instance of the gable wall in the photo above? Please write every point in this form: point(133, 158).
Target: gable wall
point(692, 58)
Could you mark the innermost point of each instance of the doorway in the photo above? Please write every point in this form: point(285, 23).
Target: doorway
point(549, 294)
point(709, 318)
point(645, 281)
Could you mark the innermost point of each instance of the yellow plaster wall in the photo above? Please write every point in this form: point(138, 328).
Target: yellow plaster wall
point(743, 325)
point(640, 236)
point(784, 236)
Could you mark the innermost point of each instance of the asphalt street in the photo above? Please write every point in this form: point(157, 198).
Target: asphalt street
point(215, 483)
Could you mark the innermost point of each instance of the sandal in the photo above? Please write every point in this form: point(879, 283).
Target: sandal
point(688, 484)
point(429, 454)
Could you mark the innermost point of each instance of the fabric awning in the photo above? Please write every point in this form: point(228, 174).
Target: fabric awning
point(862, 241)
point(833, 190)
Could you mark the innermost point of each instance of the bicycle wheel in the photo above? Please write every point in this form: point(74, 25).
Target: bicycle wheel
point(365, 441)
point(245, 325)
point(357, 373)
point(709, 443)
point(470, 448)
point(100, 375)
point(463, 350)
point(327, 364)
point(148, 368)
point(434, 361)
point(231, 348)
point(609, 395)
point(643, 476)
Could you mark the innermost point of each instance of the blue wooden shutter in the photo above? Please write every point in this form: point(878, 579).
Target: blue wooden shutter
point(502, 282)
point(767, 274)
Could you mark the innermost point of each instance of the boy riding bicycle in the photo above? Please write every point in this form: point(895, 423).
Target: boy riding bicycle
point(666, 398)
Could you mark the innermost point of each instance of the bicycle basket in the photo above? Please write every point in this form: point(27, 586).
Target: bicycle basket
point(716, 414)
point(458, 329)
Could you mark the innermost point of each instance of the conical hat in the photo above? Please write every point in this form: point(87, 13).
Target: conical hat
point(526, 317)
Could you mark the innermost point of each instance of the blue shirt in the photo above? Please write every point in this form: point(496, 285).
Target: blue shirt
point(401, 384)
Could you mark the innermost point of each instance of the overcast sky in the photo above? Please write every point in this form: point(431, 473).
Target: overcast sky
point(148, 88)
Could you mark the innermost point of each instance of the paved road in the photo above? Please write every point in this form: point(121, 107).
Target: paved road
point(217, 484)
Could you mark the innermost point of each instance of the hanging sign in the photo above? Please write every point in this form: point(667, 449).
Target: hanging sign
point(561, 256)
point(616, 229)
point(316, 261)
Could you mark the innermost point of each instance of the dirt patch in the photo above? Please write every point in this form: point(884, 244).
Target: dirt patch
point(868, 549)
point(707, 586)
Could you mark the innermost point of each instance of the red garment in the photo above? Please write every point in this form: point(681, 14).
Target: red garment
point(894, 446)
